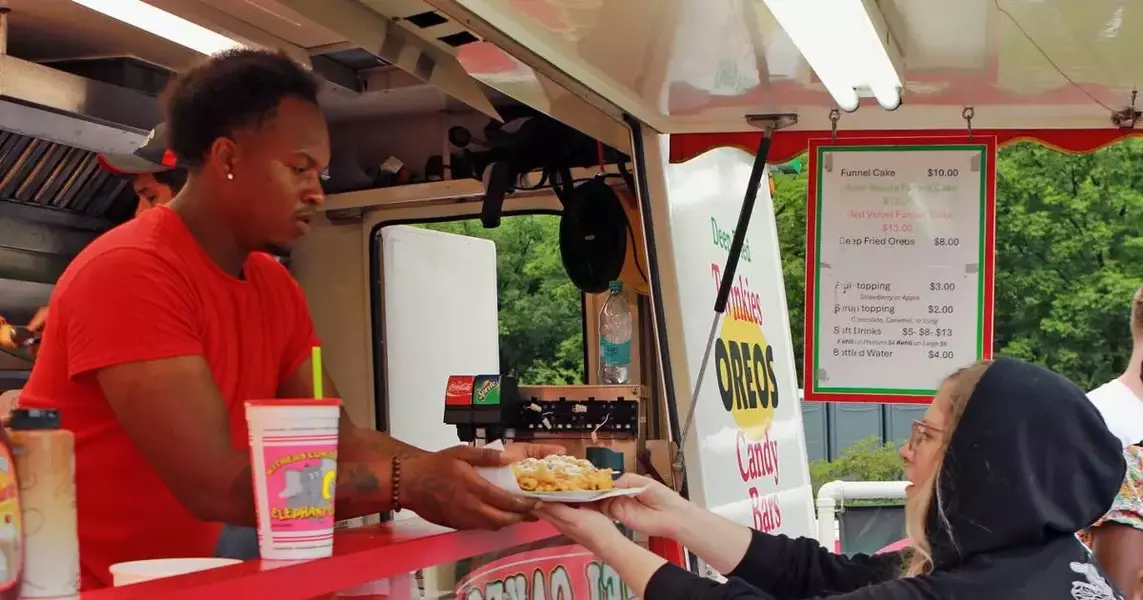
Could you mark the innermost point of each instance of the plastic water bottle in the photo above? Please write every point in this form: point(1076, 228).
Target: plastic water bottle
point(615, 337)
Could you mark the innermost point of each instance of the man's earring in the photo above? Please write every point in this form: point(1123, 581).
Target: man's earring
point(230, 176)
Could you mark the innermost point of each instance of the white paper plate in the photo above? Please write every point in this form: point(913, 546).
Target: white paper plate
point(582, 497)
point(505, 479)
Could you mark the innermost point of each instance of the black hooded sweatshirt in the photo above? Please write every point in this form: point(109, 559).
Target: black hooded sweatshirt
point(1030, 463)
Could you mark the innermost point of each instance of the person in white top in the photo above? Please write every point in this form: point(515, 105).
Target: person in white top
point(1120, 400)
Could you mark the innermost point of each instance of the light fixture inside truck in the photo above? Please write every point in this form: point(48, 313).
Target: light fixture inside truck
point(163, 24)
point(848, 45)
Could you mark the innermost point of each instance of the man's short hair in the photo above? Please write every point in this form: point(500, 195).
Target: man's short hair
point(232, 90)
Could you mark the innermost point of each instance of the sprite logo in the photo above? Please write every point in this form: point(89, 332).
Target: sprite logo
point(486, 390)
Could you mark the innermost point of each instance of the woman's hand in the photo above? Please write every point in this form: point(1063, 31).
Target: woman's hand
point(585, 526)
point(597, 532)
point(658, 511)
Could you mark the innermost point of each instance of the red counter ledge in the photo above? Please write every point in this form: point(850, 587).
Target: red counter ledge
point(359, 556)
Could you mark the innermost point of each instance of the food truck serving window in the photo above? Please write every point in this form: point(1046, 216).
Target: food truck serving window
point(453, 297)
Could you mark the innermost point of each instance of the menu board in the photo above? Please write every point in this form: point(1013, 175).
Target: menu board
point(899, 265)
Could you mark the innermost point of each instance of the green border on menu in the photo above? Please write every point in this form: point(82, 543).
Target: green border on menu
point(981, 242)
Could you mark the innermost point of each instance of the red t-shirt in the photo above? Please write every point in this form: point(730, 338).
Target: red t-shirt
point(143, 291)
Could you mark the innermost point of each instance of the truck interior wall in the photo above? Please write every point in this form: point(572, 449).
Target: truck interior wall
point(11, 363)
point(330, 267)
point(333, 267)
point(332, 262)
point(410, 138)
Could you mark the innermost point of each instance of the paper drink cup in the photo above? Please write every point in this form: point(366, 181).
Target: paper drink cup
point(138, 571)
point(293, 459)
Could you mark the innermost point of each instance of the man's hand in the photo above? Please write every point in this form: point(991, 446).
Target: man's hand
point(36, 325)
point(443, 487)
point(8, 333)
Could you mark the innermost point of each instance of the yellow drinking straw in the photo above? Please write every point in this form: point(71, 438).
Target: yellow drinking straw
point(317, 372)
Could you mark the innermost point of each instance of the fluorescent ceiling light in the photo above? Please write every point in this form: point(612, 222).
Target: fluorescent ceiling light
point(163, 24)
point(847, 44)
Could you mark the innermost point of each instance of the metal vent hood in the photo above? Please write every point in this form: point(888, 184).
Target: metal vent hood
point(54, 198)
point(56, 106)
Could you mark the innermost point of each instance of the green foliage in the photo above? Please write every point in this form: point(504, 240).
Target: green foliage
point(1069, 250)
point(541, 331)
point(790, 214)
point(867, 460)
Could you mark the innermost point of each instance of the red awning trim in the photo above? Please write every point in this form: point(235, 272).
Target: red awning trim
point(788, 145)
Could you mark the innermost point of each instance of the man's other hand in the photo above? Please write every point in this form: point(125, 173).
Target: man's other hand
point(36, 325)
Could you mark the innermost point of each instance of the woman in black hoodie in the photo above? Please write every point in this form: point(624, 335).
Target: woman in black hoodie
point(1009, 462)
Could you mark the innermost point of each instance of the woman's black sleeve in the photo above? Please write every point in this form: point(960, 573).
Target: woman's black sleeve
point(801, 568)
point(673, 583)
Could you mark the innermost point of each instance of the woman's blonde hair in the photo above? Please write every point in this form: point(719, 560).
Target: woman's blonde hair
point(957, 388)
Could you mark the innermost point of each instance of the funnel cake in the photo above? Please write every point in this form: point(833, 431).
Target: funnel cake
point(561, 474)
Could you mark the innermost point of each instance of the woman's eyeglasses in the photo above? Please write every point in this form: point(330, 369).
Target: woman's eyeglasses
point(921, 431)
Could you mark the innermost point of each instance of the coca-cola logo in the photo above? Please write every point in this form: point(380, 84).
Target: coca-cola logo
point(459, 387)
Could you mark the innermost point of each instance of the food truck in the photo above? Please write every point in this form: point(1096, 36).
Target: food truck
point(645, 127)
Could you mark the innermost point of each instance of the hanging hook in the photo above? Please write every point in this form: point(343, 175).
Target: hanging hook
point(967, 114)
point(1126, 118)
point(834, 117)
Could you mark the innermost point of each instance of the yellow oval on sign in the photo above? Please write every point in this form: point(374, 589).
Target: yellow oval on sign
point(744, 362)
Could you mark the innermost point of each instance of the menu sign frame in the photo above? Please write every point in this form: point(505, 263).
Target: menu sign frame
point(907, 302)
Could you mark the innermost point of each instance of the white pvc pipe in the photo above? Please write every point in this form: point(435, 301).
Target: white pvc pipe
point(834, 494)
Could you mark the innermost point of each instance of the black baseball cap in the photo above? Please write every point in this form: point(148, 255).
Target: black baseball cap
point(152, 157)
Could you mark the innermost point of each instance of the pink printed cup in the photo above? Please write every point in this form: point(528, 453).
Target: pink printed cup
point(293, 458)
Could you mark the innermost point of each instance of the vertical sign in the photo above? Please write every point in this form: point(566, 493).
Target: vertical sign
point(899, 265)
point(746, 453)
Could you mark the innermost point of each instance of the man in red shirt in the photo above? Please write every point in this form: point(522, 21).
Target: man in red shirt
point(164, 326)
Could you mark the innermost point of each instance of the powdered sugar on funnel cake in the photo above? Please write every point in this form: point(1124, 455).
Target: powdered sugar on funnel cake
point(556, 478)
point(561, 474)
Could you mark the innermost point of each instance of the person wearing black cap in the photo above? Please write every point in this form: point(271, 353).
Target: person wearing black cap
point(157, 174)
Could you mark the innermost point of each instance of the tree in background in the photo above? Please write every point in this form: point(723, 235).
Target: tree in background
point(867, 460)
point(1069, 257)
point(540, 310)
point(790, 214)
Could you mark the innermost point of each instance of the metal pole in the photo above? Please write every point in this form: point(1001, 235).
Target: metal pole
point(728, 273)
point(4, 10)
